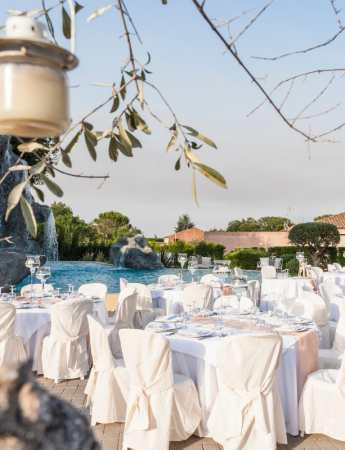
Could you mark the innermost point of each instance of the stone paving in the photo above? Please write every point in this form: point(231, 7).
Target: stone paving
point(111, 435)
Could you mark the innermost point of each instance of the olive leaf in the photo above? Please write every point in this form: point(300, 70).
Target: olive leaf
point(173, 127)
point(141, 94)
point(29, 147)
point(190, 154)
point(70, 147)
point(125, 141)
point(29, 216)
point(194, 189)
point(196, 134)
point(99, 12)
point(91, 142)
point(135, 142)
point(148, 62)
point(195, 145)
point(212, 174)
point(19, 167)
point(113, 149)
point(32, 13)
point(178, 165)
point(14, 197)
point(66, 24)
point(53, 187)
point(14, 12)
point(102, 134)
point(88, 125)
point(39, 193)
point(78, 7)
point(124, 90)
point(172, 141)
point(65, 158)
point(38, 167)
point(116, 102)
point(130, 121)
point(165, 2)
point(50, 26)
point(51, 171)
point(140, 123)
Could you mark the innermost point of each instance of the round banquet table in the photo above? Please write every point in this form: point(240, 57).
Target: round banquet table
point(280, 288)
point(196, 359)
point(336, 277)
point(170, 300)
point(33, 325)
point(337, 307)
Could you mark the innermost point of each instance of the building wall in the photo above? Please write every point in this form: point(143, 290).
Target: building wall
point(193, 234)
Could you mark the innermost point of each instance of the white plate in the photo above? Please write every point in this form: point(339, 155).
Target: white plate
point(195, 335)
point(235, 311)
point(173, 327)
point(302, 328)
point(298, 321)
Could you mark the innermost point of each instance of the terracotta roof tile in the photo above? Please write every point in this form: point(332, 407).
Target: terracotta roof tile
point(338, 220)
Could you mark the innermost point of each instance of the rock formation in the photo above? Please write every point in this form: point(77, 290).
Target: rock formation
point(134, 253)
point(12, 256)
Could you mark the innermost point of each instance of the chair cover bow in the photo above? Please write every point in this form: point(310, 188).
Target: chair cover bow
point(139, 410)
point(233, 401)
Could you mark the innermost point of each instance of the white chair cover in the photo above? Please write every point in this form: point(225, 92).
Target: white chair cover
point(248, 413)
point(297, 307)
point(322, 404)
point(238, 271)
point(12, 351)
point(201, 293)
point(123, 283)
point(314, 274)
point(206, 261)
point(318, 271)
point(320, 317)
point(162, 406)
point(210, 278)
point(64, 352)
point(278, 263)
point(264, 262)
point(36, 288)
point(337, 266)
point(253, 289)
point(108, 386)
point(145, 312)
point(328, 291)
point(330, 268)
point(246, 303)
point(94, 290)
point(167, 278)
point(124, 317)
point(307, 288)
point(268, 271)
point(331, 358)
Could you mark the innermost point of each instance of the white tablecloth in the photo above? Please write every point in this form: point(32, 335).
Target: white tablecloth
point(337, 307)
point(171, 300)
point(197, 360)
point(280, 288)
point(33, 325)
point(337, 278)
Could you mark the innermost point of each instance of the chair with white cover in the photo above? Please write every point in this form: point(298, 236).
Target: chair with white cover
point(231, 300)
point(331, 358)
point(210, 278)
point(206, 263)
point(278, 263)
point(167, 278)
point(320, 317)
point(268, 271)
point(328, 291)
point(162, 406)
point(145, 311)
point(108, 386)
point(330, 268)
point(297, 307)
point(124, 316)
point(247, 413)
point(318, 271)
point(94, 290)
point(64, 354)
point(253, 289)
point(322, 404)
point(123, 283)
point(202, 294)
point(307, 289)
point(26, 290)
point(12, 351)
point(238, 271)
point(337, 266)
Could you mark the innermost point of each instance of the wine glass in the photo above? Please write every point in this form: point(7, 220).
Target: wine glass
point(192, 266)
point(32, 263)
point(221, 270)
point(43, 274)
point(182, 259)
point(239, 286)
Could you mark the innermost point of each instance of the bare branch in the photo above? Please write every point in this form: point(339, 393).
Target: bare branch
point(336, 13)
point(7, 239)
point(316, 115)
point(309, 144)
point(231, 20)
point(99, 187)
point(49, 9)
point(288, 93)
point(130, 19)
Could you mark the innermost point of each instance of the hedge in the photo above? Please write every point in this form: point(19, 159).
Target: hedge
point(245, 259)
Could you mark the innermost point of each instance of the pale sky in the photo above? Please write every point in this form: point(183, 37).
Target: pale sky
point(265, 164)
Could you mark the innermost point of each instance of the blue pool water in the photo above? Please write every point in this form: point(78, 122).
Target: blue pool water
point(80, 273)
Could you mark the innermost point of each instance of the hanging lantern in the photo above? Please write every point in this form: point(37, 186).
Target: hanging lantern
point(34, 99)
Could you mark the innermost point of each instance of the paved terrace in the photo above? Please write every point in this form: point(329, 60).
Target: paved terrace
point(110, 436)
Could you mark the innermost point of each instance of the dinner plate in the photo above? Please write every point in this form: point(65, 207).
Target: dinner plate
point(286, 330)
point(172, 327)
point(298, 320)
point(196, 335)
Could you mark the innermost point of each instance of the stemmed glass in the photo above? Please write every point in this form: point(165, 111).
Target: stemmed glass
point(239, 286)
point(43, 274)
point(221, 271)
point(192, 266)
point(182, 259)
point(32, 263)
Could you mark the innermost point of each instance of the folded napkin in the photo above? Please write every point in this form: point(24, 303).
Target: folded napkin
point(171, 317)
point(290, 328)
point(192, 333)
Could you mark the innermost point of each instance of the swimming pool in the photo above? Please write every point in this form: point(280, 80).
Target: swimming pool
point(80, 273)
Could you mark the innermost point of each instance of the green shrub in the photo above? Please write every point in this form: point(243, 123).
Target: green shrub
point(88, 256)
point(101, 257)
point(245, 259)
point(287, 257)
point(293, 266)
